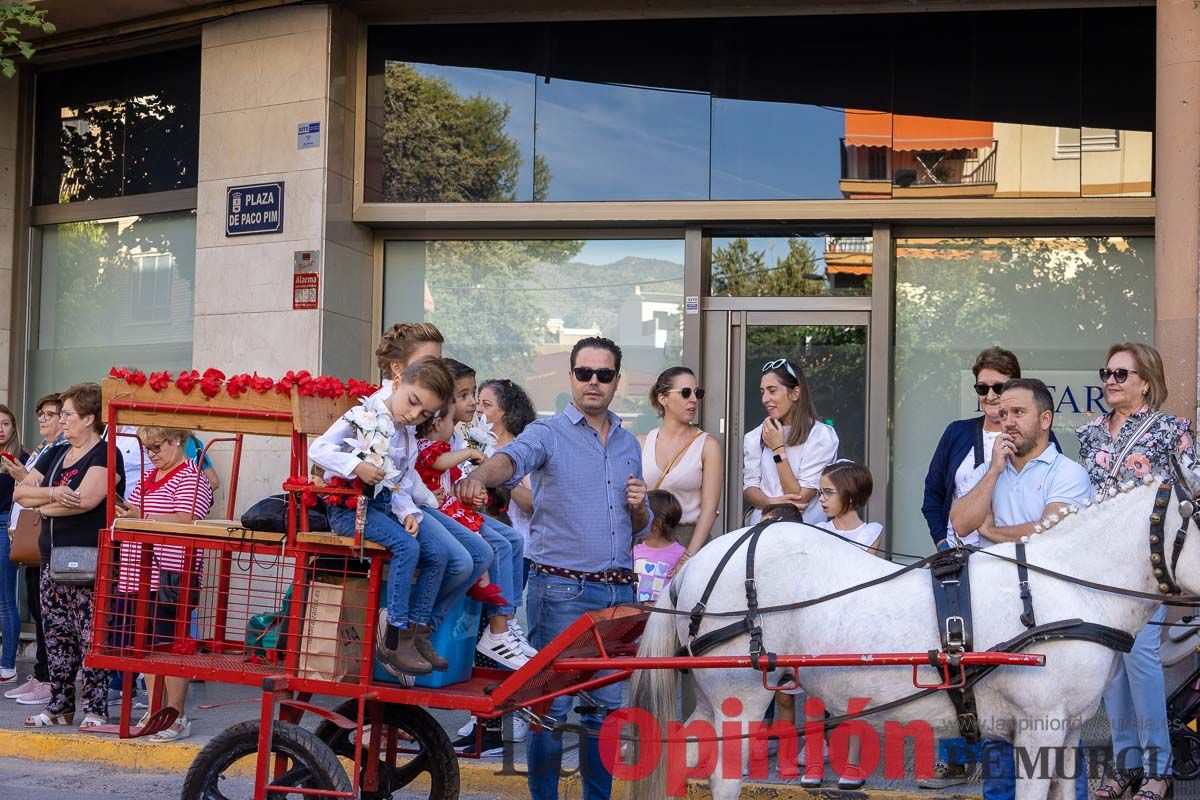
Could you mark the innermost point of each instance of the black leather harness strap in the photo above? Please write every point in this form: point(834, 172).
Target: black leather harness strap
point(952, 599)
point(1158, 556)
point(1027, 617)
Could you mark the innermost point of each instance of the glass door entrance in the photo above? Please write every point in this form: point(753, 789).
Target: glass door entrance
point(832, 348)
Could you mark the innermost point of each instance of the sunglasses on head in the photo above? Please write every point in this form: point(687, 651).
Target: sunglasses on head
point(780, 362)
point(686, 392)
point(1119, 375)
point(584, 374)
point(982, 389)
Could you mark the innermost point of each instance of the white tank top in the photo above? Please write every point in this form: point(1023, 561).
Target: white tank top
point(683, 480)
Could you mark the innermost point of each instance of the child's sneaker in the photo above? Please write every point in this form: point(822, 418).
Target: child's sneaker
point(503, 649)
point(518, 633)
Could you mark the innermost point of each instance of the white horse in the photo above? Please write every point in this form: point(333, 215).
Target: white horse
point(1107, 543)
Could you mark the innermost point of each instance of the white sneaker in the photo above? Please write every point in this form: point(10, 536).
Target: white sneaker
point(8, 677)
point(503, 649)
point(468, 729)
point(514, 628)
point(520, 728)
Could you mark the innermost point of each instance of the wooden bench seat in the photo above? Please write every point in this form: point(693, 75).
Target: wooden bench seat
point(231, 529)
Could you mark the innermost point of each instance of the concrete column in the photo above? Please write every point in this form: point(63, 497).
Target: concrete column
point(8, 205)
point(263, 74)
point(1177, 186)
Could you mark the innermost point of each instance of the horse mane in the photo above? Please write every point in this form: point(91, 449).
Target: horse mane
point(1092, 507)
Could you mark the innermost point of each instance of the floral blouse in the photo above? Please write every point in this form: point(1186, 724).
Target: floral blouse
point(1149, 456)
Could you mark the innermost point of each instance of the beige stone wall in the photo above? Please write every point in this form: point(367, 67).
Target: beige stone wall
point(262, 74)
point(8, 204)
point(1027, 165)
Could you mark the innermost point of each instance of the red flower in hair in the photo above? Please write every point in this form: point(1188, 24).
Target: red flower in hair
point(237, 385)
point(261, 384)
point(186, 381)
point(160, 380)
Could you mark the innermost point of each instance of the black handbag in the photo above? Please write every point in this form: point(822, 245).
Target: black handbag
point(270, 514)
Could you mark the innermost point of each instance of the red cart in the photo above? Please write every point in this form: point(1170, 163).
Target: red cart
point(295, 613)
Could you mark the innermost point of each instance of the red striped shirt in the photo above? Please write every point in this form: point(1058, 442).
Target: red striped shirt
point(182, 490)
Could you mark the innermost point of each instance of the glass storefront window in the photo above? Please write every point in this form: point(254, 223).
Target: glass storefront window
point(801, 265)
point(113, 292)
point(514, 309)
point(1057, 303)
point(119, 128)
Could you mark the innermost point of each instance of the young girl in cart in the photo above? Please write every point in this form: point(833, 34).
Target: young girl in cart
point(393, 520)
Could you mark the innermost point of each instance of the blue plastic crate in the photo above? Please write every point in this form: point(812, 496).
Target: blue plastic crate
point(454, 640)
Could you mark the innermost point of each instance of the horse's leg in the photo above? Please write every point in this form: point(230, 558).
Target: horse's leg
point(754, 701)
point(1036, 752)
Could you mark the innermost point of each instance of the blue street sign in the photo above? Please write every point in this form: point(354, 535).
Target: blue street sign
point(257, 208)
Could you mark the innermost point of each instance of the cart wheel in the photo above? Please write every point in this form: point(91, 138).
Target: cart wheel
point(1185, 755)
point(417, 730)
point(219, 770)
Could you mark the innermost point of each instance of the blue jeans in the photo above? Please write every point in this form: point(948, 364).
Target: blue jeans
point(467, 557)
point(1136, 704)
point(555, 603)
point(957, 751)
point(382, 528)
point(10, 618)
point(1000, 771)
point(506, 569)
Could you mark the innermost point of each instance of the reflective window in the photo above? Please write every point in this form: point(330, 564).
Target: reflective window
point(791, 266)
point(514, 309)
point(119, 128)
point(955, 297)
point(113, 291)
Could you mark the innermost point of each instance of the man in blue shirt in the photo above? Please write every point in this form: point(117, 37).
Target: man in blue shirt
point(589, 501)
point(1027, 480)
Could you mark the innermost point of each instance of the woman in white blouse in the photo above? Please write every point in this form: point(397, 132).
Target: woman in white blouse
point(785, 455)
point(682, 459)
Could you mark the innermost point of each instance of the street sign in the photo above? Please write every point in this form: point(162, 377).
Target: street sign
point(304, 290)
point(257, 208)
point(308, 134)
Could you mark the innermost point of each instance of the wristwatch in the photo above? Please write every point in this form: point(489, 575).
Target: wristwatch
point(778, 458)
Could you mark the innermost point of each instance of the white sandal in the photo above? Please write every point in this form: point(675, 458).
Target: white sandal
point(92, 721)
point(48, 720)
point(181, 729)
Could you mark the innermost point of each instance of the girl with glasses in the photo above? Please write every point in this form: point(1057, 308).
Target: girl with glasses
point(679, 458)
point(784, 456)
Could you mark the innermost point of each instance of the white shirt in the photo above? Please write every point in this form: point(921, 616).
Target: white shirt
point(806, 460)
point(866, 534)
point(329, 452)
point(134, 457)
point(965, 478)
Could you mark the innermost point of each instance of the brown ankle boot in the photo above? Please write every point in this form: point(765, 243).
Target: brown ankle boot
point(404, 658)
point(421, 637)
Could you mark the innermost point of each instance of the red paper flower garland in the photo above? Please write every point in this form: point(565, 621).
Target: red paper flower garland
point(213, 381)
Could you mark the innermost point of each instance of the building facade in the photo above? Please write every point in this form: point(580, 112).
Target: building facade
point(876, 189)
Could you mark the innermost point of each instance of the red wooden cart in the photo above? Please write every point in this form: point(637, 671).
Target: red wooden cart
point(295, 613)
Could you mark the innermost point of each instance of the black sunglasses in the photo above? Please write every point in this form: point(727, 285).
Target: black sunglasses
point(1120, 375)
point(686, 392)
point(982, 389)
point(584, 374)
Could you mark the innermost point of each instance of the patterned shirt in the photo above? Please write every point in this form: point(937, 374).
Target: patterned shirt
point(580, 518)
point(183, 490)
point(1150, 455)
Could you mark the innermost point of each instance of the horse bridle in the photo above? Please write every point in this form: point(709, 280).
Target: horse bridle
point(1188, 511)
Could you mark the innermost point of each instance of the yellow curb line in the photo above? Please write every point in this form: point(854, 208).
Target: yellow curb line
point(476, 777)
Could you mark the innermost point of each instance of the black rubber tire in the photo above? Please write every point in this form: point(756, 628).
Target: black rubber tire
point(313, 764)
point(1185, 755)
point(436, 760)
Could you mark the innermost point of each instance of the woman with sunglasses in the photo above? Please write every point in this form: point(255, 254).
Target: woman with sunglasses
point(679, 458)
point(785, 455)
point(1132, 440)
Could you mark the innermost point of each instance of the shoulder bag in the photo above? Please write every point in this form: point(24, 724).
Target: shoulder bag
point(675, 459)
point(71, 565)
point(1110, 481)
point(23, 538)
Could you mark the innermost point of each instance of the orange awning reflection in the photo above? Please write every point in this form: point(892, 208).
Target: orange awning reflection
point(903, 132)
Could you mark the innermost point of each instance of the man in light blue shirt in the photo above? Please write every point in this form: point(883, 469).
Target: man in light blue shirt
point(1026, 480)
point(589, 501)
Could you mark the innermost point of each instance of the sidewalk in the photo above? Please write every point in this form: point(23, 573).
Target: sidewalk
point(214, 707)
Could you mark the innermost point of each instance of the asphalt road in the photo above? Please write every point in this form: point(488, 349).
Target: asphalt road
point(35, 780)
